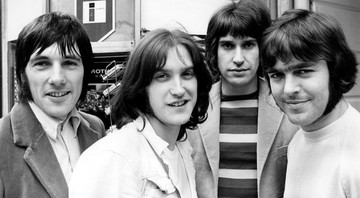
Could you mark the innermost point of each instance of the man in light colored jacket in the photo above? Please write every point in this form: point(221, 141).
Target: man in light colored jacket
point(240, 151)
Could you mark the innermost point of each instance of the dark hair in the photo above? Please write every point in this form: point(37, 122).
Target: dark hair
point(55, 27)
point(310, 37)
point(245, 18)
point(131, 101)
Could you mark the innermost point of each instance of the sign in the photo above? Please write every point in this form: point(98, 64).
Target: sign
point(97, 16)
point(94, 12)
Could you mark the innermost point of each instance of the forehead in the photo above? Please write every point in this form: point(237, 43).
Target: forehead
point(228, 37)
point(56, 49)
point(178, 57)
point(295, 64)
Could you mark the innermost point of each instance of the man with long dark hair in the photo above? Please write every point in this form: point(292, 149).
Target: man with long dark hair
point(43, 136)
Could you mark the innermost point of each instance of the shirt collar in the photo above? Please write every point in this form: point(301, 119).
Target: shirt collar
point(158, 144)
point(52, 125)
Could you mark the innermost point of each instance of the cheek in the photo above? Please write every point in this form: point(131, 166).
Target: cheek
point(192, 86)
point(276, 90)
point(254, 59)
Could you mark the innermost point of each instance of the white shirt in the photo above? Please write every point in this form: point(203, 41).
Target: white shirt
point(177, 171)
point(326, 163)
point(173, 160)
point(63, 138)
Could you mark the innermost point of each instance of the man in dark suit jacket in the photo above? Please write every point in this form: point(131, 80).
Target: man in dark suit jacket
point(43, 136)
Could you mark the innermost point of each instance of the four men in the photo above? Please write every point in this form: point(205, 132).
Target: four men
point(241, 149)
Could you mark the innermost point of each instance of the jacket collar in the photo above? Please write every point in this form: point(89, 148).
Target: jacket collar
point(39, 154)
point(210, 130)
point(269, 119)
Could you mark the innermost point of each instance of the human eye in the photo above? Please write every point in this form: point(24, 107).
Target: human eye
point(72, 63)
point(249, 44)
point(189, 74)
point(161, 76)
point(41, 64)
point(227, 45)
point(275, 76)
point(303, 72)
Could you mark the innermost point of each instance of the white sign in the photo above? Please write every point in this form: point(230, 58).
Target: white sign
point(94, 12)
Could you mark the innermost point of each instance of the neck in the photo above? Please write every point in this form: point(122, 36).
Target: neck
point(232, 89)
point(168, 133)
point(329, 118)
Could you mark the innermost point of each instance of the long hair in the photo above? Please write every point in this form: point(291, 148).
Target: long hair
point(310, 37)
point(55, 27)
point(245, 18)
point(131, 100)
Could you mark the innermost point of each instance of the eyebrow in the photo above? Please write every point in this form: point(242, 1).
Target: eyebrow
point(184, 68)
point(77, 58)
point(73, 57)
point(291, 67)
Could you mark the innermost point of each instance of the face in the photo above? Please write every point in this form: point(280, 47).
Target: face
point(173, 90)
point(302, 91)
point(55, 81)
point(238, 62)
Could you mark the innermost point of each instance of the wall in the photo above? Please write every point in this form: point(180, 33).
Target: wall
point(347, 12)
point(193, 15)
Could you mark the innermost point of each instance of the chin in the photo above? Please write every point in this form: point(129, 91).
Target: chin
point(180, 121)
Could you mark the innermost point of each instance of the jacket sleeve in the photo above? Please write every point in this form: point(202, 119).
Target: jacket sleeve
point(105, 174)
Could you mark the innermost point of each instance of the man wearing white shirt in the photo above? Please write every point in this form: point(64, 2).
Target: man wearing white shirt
point(43, 136)
point(310, 67)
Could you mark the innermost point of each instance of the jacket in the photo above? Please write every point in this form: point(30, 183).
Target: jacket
point(127, 163)
point(28, 164)
point(274, 134)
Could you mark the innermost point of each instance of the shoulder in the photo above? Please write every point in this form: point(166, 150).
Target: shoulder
point(124, 142)
point(350, 159)
point(94, 122)
point(215, 91)
point(90, 118)
point(5, 123)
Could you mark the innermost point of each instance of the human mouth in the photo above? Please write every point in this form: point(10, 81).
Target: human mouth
point(238, 70)
point(295, 103)
point(178, 103)
point(57, 93)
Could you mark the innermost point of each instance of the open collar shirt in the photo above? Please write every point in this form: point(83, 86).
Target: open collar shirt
point(63, 137)
point(174, 171)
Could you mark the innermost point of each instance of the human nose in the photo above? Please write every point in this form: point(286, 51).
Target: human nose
point(238, 58)
point(177, 88)
point(57, 76)
point(291, 85)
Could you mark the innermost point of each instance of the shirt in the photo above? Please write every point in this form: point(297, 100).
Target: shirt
point(173, 160)
point(63, 138)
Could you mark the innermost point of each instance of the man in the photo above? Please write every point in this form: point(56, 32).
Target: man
point(43, 136)
point(310, 66)
point(240, 151)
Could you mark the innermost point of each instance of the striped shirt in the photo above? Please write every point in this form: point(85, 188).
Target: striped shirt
point(238, 139)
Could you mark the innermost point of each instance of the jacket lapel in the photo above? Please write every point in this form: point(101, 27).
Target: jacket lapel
point(185, 152)
point(269, 120)
point(39, 154)
point(87, 136)
point(210, 130)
